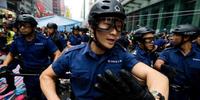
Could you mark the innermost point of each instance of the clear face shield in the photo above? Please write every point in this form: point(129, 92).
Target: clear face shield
point(108, 23)
point(149, 39)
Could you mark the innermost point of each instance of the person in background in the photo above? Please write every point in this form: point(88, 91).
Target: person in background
point(180, 64)
point(145, 49)
point(34, 51)
point(124, 40)
point(87, 62)
point(84, 36)
point(74, 37)
point(56, 37)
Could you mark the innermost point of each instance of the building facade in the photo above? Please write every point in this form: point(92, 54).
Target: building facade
point(56, 7)
point(161, 14)
point(26, 6)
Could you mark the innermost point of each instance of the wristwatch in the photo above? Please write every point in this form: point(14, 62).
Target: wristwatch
point(157, 95)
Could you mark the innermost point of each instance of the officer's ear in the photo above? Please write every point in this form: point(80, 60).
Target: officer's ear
point(91, 30)
point(186, 37)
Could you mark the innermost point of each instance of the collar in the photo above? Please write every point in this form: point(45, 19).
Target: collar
point(87, 51)
point(141, 51)
point(178, 50)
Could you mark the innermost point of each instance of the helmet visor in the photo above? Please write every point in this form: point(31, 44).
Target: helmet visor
point(108, 23)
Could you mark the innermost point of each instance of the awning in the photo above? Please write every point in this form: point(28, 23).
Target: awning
point(59, 20)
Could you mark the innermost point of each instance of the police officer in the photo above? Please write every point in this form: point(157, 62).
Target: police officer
point(84, 35)
point(86, 61)
point(145, 48)
point(34, 50)
point(57, 38)
point(181, 64)
point(74, 37)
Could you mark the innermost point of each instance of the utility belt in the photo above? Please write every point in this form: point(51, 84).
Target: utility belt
point(180, 88)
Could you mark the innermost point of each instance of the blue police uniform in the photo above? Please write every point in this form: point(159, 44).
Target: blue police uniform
point(35, 57)
point(75, 40)
point(145, 57)
point(85, 38)
point(85, 65)
point(160, 42)
point(187, 75)
point(59, 40)
point(196, 45)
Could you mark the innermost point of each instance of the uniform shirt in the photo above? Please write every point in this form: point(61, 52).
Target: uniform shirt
point(188, 66)
point(59, 40)
point(196, 45)
point(145, 57)
point(85, 38)
point(75, 40)
point(34, 54)
point(85, 65)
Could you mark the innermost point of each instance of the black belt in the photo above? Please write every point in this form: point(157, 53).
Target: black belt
point(32, 71)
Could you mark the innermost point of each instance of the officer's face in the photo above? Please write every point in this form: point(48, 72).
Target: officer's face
point(50, 31)
point(25, 28)
point(76, 32)
point(148, 41)
point(176, 39)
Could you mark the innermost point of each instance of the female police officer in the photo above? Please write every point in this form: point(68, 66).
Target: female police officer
point(85, 61)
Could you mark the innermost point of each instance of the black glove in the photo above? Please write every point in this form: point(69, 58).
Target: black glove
point(169, 71)
point(124, 87)
point(4, 72)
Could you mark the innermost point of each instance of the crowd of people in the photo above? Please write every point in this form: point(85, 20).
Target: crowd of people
point(105, 62)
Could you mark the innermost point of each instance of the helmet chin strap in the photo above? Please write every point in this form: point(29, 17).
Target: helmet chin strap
point(181, 43)
point(98, 44)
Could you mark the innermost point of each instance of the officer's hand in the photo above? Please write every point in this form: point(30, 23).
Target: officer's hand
point(122, 87)
point(3, 71)
point(169, 71)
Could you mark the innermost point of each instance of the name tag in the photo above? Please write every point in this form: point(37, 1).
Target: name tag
point(39, 43)
point(195, 59)
point(114, 61)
